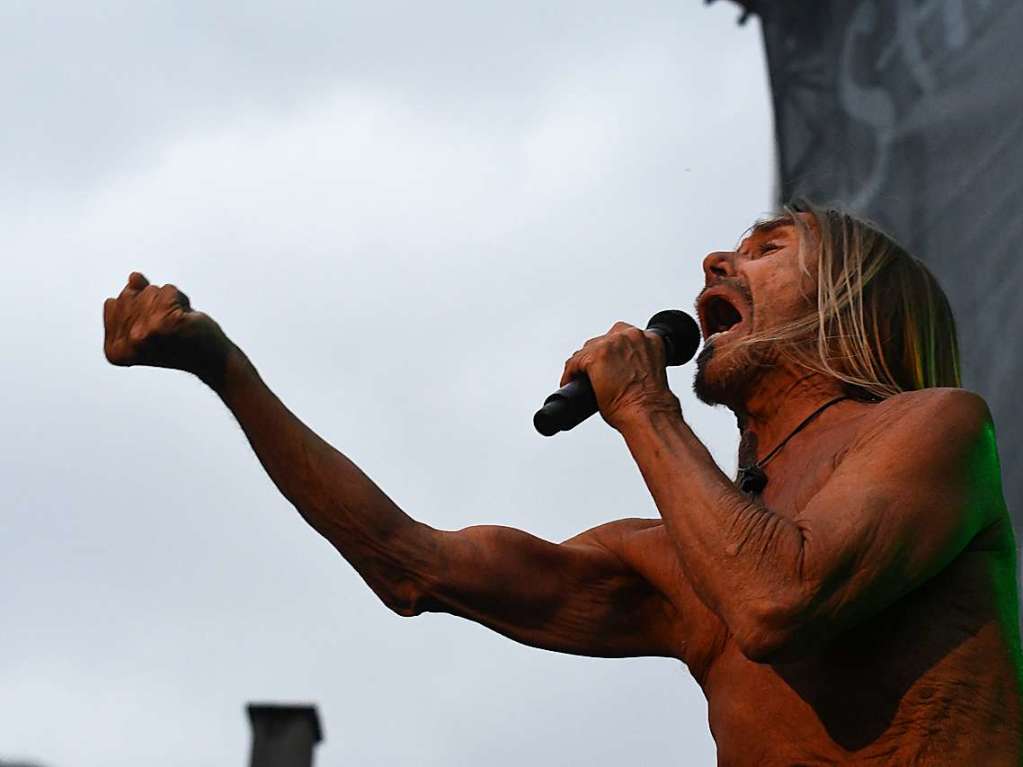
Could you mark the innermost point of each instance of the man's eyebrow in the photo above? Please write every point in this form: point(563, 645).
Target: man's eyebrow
point(764, 227)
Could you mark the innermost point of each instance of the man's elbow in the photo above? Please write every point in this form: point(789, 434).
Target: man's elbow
point(402, 575)
point(404, 598)
point(766, 646)
point(776, 634)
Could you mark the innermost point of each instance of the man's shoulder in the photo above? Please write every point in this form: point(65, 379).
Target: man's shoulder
point(943, 438)
point(935, 413)
point(933, 400)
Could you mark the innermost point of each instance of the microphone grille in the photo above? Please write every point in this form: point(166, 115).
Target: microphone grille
point(680, 332)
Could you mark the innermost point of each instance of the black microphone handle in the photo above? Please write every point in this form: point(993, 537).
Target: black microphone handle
point(574, 402)
point(568, 407)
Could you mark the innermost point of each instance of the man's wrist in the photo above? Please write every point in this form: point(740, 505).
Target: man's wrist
point(649, 413)
point(215, 355)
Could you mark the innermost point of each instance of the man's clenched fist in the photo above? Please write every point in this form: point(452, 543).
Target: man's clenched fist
point(156, 326)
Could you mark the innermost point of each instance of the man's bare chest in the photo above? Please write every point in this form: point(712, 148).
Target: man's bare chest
point(937, 661)
point(795, 477)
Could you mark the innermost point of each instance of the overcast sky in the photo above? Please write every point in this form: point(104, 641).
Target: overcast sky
point(409, 215)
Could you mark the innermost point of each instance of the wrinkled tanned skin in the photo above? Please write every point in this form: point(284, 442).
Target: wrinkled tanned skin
point(862, 610)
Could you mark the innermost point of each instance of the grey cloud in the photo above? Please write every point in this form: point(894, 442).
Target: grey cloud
point(408, 215)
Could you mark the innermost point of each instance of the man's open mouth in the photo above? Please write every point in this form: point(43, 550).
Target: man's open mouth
point(718, 315)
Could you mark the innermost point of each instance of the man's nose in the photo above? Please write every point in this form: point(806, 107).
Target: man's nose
point(718, 265)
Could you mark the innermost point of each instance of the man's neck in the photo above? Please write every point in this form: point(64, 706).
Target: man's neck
point(778, 405)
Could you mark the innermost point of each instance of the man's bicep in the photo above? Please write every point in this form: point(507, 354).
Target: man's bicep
point(898, 509)
point(578, 596)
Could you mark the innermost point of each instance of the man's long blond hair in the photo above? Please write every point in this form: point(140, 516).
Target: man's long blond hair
point(882, 324)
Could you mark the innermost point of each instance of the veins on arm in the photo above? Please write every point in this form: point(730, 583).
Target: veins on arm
point(896, 511)
point(580, 596)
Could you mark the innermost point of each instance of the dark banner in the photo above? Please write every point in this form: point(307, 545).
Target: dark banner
point(910, 112)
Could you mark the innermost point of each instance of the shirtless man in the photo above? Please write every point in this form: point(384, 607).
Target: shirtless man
point(858, 608)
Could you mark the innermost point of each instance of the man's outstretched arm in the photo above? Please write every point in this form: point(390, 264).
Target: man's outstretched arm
point(574, 597)
point(579, 596)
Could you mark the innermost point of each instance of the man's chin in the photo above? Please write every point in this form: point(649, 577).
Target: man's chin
point(711, 391)
point(718, 383)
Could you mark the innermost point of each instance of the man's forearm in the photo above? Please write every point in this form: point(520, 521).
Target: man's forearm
point(388, 548)
point(740, 557)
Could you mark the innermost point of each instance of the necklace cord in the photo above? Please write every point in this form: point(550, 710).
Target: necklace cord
point(806, 422)
point(752, 479)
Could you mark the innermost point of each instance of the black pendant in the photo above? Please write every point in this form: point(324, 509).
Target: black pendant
point(751, 479)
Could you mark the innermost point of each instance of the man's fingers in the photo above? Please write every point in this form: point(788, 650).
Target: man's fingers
point(136, 282)
point(108, 313)
point(658, 348)
point(175, 297)
point(144, 322)
point(573, 366)
point(108, 328)
point(619, 334)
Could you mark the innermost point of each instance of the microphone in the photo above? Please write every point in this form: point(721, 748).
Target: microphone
point(574, 402)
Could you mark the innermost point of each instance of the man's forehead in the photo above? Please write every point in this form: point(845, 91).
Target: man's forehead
point(770, 226)
point(762, 229)
point(778, 226)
